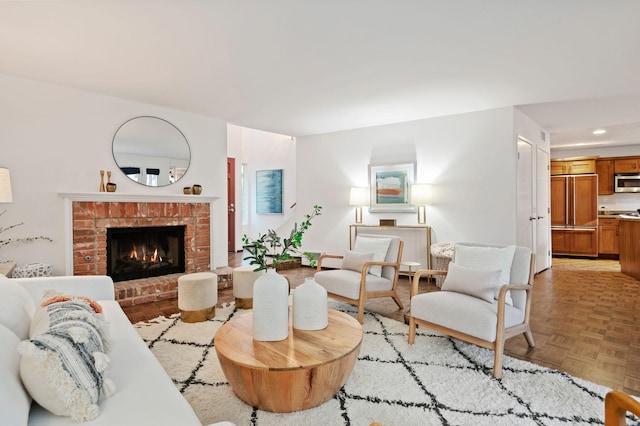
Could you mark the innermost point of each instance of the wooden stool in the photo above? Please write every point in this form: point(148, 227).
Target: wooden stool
point(197, 296)
point(243, 279)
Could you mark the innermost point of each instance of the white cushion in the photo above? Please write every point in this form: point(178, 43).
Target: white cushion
point(488, 258)
point(346, 283)
point(378, 246)
point(63, 367)
point(478, 283)
point(460, 312)
point(354, 260)
point(17, 307)
point(15, 402)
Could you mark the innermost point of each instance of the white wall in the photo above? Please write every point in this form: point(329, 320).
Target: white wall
point(261, 150)
point(55, 139)
point(469, 159)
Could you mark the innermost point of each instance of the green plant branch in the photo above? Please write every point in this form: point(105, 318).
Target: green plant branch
point(270, 245)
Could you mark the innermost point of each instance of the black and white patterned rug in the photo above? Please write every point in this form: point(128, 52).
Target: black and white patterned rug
point(436, 381)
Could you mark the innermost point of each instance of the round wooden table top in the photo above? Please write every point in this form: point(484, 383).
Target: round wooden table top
point(302, 349)
point(302, 371)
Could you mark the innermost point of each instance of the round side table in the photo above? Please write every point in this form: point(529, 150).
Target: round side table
point(411, 265)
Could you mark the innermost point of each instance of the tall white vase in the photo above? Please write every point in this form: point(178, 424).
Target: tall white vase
point(271, 307)
point(310, 310)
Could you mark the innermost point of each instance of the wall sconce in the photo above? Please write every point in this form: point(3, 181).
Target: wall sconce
point(359, 197)
point(5, 186)
point(420, 196)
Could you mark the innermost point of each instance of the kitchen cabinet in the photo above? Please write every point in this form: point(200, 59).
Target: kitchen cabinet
point(576, 242)
point(573, 167)
point(630, 247)
point(608, 236)
point(627, 165)
point(605, 171)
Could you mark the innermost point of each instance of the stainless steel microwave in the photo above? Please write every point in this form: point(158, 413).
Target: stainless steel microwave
point(627, 183)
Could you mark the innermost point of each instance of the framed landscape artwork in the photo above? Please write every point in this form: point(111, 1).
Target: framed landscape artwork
point(390, 187)
point(269, 191)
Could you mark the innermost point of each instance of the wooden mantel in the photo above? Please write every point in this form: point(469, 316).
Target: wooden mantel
point(123, 196)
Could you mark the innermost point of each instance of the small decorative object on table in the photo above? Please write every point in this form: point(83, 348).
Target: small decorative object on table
point(101, 180)
point(196, 189)
point(270, 307)
point(186, 190)
point(111, 187)
point(271, 291)
point(310, 310)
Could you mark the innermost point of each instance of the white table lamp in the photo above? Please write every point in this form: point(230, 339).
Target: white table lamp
point(359, 197)
point(5, 186)
point(420, 197)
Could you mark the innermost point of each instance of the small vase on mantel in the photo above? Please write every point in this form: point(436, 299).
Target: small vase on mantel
point(271, 307)
point(310, 310)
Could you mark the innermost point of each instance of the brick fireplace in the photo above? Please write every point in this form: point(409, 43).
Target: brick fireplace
point(90, 220)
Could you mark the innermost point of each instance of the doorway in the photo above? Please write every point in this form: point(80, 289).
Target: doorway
point(231, 204)
point(532, 206)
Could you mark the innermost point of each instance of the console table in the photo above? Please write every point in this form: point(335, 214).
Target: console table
point(417, 242)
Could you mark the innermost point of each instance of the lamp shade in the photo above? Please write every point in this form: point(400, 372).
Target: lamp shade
point(5, 186)
point(420, 194)
point(359, 197)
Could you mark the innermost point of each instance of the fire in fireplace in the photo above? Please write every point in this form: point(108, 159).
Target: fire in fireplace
point(145, 252)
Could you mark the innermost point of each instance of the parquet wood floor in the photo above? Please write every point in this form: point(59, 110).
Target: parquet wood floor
point(585, 319)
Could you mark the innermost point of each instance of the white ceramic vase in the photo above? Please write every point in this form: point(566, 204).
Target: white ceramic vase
point(271, 307)
point(310, 311)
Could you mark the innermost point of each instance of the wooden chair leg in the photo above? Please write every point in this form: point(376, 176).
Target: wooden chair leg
point(398, 301)
point(529, 336)
point(412, 330)
point(361, 311)
point(497, 359)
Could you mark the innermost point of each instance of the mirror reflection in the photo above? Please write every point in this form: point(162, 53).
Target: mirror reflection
point(151, 151)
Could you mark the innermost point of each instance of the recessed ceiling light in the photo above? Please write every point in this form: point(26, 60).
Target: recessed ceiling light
point(599, 132)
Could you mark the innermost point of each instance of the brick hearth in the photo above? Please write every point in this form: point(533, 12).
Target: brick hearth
point(90, 223)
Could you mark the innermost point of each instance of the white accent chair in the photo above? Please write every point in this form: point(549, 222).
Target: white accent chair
point(355, 284)
point(472, 319)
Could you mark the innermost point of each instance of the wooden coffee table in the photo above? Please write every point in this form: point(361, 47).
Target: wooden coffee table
point(300, 372)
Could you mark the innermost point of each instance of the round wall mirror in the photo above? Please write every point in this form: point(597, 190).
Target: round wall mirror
point(151, 151)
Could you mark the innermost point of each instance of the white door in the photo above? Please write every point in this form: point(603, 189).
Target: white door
point(543, 221)
point(525, 209)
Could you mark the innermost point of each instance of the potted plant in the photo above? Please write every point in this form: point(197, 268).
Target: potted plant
point(271, 246)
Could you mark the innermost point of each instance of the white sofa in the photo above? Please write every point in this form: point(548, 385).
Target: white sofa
point(144, 393)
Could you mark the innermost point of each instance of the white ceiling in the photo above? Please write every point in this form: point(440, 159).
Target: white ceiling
point(300, 67)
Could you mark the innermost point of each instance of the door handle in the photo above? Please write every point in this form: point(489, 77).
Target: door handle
point(232, 208)
point(532, 218)
point(540, 217)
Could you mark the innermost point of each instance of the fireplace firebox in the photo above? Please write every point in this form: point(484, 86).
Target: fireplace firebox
point(145, 252)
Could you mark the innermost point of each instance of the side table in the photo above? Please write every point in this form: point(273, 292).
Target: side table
point(411, 265)
point(302, 371)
